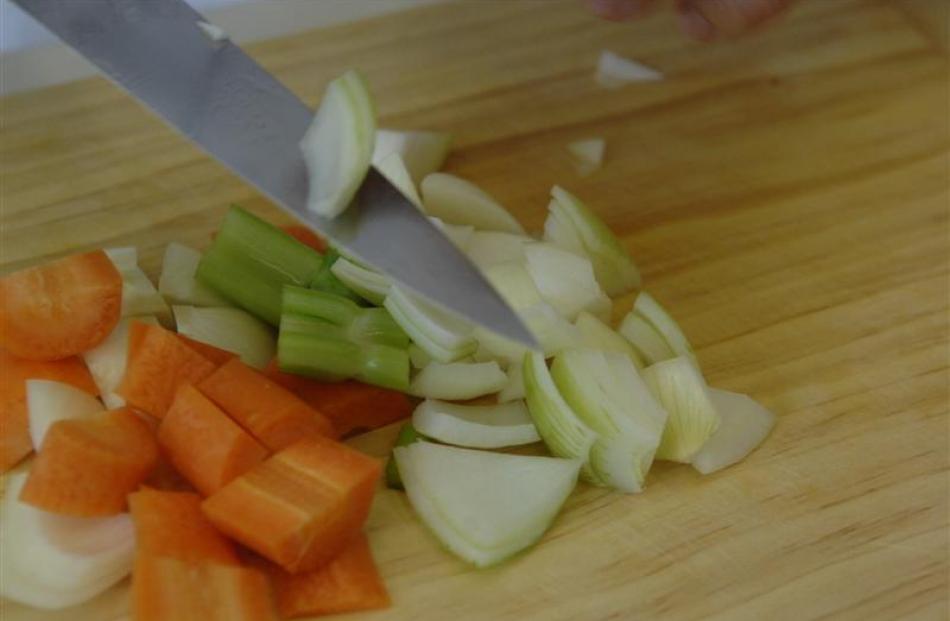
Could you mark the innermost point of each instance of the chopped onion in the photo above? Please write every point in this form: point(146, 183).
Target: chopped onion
point(458, 381)
point(514, 284)
point(743, 425)
point(571, 225)
point(178, 283)
point(565, 280)
point(588, 154)
point(48, 402)
point(489, 248)
point(484, 506)
point(230, 329)
point(514, 389)
point(645, 339)
point(214, 33)
point(139, 295)
point(365, 282)
point(553, 333)
point(54, 561)
point(418, 357)
point(125, 258)
point(595, 334)
point(107, 360)
point(648, 308)
point(475, 426)
point(678, 385)
point(614, 71)
point(460, 234)
point(394, 169)
point(443, 336)
point(422, 152)
point(338, 145)
point(458, 201)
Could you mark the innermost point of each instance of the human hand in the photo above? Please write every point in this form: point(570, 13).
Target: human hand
point(704, 20)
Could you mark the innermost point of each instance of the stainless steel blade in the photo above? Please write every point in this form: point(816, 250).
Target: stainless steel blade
point(216, 95)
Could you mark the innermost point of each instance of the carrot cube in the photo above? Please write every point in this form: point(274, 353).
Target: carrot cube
point(216, 355)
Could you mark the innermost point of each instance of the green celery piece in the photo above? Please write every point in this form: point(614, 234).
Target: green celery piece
point(407, 435)
point(376, 325)
point(329, 307)
point(326, 280)
point(328, 359)
point(242, 282)
point(385, 366)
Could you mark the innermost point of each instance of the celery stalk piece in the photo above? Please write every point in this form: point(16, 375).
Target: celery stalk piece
point(326, 280)
point(650, 310)
point(457, 201)
point(407, 435)
point(484, 507)
point(459, 234)
point(376, 325)
point(385, 366)
point(488, 248)
point(572, 225)
point(744, 424)
point(54, 561)
point(107, 360)
point(177, 281)
point(327, 359)
point(230, 329)
point(338, 145)
point(565, 280)
point(609, 396)
point(514, 388)
point(394, 169)
point(458, 381)
point(48, 402)
point(328, 307)
point(646, 340)
point(595, 334)
point(423, 152)
point(250, 261)
point(514, 284)
point(681, 389)
point(365, 282)
point(333, 316)
point(443, 336)
point(475, 426)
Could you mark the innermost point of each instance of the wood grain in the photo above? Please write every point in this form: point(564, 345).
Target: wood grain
point(786, 195)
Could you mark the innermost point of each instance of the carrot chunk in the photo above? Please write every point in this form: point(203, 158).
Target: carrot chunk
point(216, 355)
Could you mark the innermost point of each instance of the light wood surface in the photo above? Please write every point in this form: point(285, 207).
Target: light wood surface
point(785, 195)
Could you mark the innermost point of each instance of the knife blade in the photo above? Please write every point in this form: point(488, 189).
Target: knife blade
point(221, 99)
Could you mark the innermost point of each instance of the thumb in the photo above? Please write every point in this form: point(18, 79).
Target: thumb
point(620, 10)
point(708, 19)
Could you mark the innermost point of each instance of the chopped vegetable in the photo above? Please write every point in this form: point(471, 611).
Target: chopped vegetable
point(159, 362)
point(167, 588)
point(614, 71)
point(566, 281)
point(15, 441)
point(55, 561)
point(484, 507)
point(61, 308)
point(422, 152)
point(230, 329)
point(326, 280)
point(647, 341)
point(588, 154)
point(514, 388)
point(595, 334)
point(488, 248)
point(214, 33)
point(573, 226)
point(407, 435)
point(608, 395)
point(743, 425)
point(458, 380)
point(301, 507)
point(680, 388)
point(172, 525)
point(553, 333)
point(459, 234)
point(140, 297)
point(203, 444)
point(305, 236)
point(514, 284)
point(394, 169)
point(457, 201)
point(214, 355)
point(418, 357)
point(107, 361)
point(251, 260)
point(272, 414)
point(365, 282)
point(87, 466)
point(49, 401)
point(338, 145)
point(475, 426)
point(177, 281)
point(443, 336)
point(124, 258)
point(653, 332)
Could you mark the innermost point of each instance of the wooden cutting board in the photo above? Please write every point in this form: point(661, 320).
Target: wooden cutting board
point(785, 195)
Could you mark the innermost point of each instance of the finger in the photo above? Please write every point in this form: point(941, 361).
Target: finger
point(620, 10)
point(707, 19)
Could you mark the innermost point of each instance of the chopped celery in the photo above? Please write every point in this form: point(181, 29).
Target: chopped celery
point(327, 359)
point(407, 435)
point(458, 381)
point(365, 282)
point(458, 201)
point(679, 386)
point(177, 281)
point(331, 308)
point(376, 325)
point(443, 336)
point(475, 426)
point(595, 334)
point(230, 329)
point(566, 280)
point(743, 425)
point(385, 366)
point(422, 152)
point(326, 280)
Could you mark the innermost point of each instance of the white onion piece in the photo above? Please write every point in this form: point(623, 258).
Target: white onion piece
point(177, 281)
point(422, 152)
point(744, 424)
point(124, 258)
point(445, 337)
point(107, 360)
point(458, 381)
point(460, 234)
point(614, 71)
point(394, 169)
point(595, 334)
point(475, 426)
point(458, 201)
point(514, 284)
point(489, 248)
point(514, 389)
point(588, 154)
point(230, 329)
point(566, 280)
point(48, 402)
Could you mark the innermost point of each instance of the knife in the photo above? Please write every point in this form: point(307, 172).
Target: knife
point(217, 96)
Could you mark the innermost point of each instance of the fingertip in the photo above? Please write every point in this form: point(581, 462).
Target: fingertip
point(696, 26)
point(619, 10)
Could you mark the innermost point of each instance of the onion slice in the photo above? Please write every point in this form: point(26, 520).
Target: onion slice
point(475, 426)
point(744, 424)
point(458, 201)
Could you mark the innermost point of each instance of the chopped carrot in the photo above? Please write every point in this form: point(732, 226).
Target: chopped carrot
point(88, 466)
point(15, 442)
point(351, 405)
point(171, 524)
point(60, 309)
point(169, 589)
point(302, 506)
point(206, 446)
point(165, 477)
point(159, 362)
point(270, 413)
point(347, 583)
point(305, 236)
point(216, 355)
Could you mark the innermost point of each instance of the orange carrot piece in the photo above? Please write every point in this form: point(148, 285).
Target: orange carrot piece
point(15, 442)
point(88, 466)
point(302, 506)
point(165, 477)
point(206, 446)
point(169, 589)
point(60, 309)
point(171, 524)
point(305, 236)
point(348, 583)
point(215, 354)
point(351, 405)
point(269, 412)
point(159, 362)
